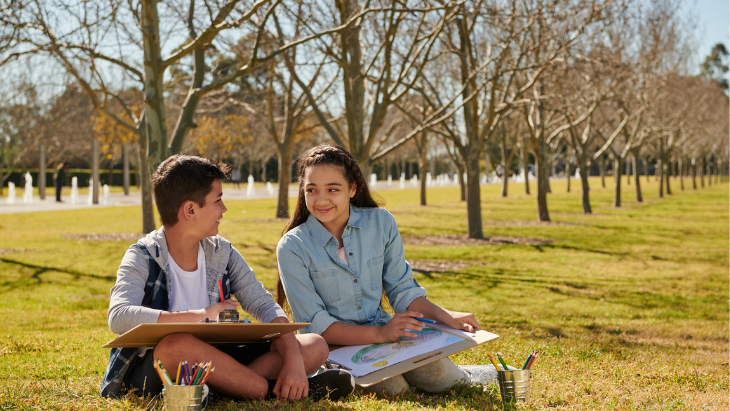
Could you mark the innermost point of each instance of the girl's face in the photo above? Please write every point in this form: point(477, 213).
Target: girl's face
point(327, 195)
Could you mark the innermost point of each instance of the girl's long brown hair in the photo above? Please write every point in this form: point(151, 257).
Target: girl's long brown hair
point(330, 155)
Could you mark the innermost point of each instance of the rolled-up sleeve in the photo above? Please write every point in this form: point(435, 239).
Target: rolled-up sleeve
point(125, 309)
point(398, 282)
point(306, 304)
point(252, 295)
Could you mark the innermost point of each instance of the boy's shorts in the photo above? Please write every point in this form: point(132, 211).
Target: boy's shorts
point(144, 380)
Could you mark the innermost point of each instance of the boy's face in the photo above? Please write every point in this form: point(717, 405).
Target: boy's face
point(209, 216)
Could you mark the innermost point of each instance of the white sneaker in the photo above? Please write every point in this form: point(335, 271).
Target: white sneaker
point(480, 374)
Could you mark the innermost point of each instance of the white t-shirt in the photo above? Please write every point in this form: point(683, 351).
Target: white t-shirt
point(343, 255)
point(189, 288)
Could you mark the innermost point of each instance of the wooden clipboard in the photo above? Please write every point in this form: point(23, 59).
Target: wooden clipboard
point(480, 337)
point(148, 335)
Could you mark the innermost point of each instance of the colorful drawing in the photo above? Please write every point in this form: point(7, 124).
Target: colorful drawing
point(379, 352)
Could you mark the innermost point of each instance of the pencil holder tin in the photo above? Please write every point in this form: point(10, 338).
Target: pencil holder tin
point(514, 386)
point(183, 397)
point(229, 315)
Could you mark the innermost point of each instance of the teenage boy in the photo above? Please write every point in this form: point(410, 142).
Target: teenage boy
point(172, 275)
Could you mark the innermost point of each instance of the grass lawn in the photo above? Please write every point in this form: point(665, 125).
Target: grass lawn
point(628, 306)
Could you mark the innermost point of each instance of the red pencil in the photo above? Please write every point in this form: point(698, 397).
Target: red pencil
point(532, 361)
point(220, 287)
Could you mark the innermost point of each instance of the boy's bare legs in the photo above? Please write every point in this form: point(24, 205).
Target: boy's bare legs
point(231, 377)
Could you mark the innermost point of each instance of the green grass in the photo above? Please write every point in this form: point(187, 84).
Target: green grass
point(629, 306)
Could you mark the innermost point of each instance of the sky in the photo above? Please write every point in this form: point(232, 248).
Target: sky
point(713, 24)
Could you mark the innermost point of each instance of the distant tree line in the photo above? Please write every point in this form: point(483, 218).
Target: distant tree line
point(479, 85)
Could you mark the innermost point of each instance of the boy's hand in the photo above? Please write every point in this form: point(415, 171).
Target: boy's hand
point(462, 321)
point(397, 326)
point(212, 311)
point(292, 383)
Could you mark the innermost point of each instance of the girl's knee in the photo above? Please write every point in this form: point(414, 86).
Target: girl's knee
point(317, 350)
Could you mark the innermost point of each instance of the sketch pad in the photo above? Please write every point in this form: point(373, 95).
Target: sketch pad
point(148, 335)
point(371, 364)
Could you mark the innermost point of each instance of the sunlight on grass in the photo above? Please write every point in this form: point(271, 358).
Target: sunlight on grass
point(628, 306)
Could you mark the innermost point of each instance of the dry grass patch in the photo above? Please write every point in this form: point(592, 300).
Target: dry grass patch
point(128, 237)
point(456, 240)
point(434, 266)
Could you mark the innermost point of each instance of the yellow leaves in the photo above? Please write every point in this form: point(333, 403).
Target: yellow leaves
point(217, 138)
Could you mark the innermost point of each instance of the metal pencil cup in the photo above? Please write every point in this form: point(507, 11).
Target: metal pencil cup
point(183, 397)
point(515, 385)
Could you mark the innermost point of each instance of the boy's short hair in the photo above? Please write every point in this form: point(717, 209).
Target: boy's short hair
point(184, 178)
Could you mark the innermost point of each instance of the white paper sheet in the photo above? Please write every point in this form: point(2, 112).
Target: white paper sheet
point(361, 360)
point(450, 330)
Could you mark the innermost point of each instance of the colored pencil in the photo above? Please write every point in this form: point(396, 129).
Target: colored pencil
point(504, 364)
point(493, 362)
point(197, 375)
point(527, 361)
point(534, 358)
point(207, 375)
point(177, 378)
point(159, 372)
point(220, 288)
point(164, 373)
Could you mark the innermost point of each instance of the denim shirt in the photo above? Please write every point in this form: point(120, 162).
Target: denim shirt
point(322, 289)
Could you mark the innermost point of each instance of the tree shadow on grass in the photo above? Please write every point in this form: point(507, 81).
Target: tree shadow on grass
point(463, 396)
point(38, 270)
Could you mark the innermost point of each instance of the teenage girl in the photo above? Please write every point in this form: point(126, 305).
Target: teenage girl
point(339, 253)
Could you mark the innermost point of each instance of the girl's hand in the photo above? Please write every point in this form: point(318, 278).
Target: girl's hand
point(462, 321)
point(396, 328)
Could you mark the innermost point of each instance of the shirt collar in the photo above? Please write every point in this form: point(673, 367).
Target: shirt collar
point(320, 233)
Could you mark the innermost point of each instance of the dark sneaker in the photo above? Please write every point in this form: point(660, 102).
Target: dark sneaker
point(332, 384)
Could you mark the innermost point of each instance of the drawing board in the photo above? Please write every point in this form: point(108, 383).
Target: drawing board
point(370, 364)
point(148, 335)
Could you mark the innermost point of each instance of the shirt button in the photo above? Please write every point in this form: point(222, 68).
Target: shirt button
point(355, 281)
point(359, 307)
point(350, 253)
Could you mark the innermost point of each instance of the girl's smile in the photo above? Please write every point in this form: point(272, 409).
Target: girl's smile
point(327, 195)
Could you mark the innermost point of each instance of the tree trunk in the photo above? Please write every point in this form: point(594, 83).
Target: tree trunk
point(646, 169)
point(503, 152)
point(42, 173)
point(659, 173)
point(567, 171)
point(354, 83)
point(681, 172)
point(526, 168)
point(156, 128)
point(185, 121)
point(542, 166)
point(462, 184)
point(602, 170)
point(125, 166)
point(637, 180)
point(629, 172)
point(617, 181)
point(282, 204)
point(667, 179)
point(144, 181)
point(693, 170)
point(582, 166)
point(111, 172)
point(94, 186)
point(422, 169)
point(473, 196)
point(701, 167)
point(709, 172)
